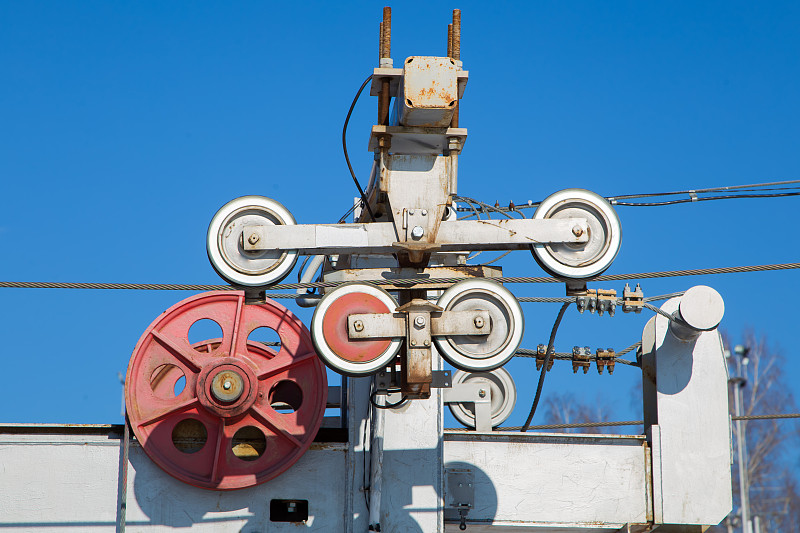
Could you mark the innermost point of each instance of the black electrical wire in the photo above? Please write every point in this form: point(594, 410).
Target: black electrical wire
point(704, 199)
point(388, 405)
point(344, 147)
point(544, 366)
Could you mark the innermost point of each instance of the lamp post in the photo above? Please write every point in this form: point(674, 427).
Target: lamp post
point(738, 383)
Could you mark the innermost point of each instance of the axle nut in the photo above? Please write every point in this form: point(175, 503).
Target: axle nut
point(253, 238)
point(419, 321)
point(358, 325)
point(577, 231)
point(417, 232)
point(478, 322)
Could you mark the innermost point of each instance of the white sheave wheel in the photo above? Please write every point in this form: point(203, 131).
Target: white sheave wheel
point(584, 260)
point(482, 352)
point(504, 395)
point(224, 242)
point(352, 357)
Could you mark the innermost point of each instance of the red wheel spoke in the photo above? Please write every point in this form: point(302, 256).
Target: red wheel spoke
point(291, 363)
point(276, 427)
point(184, 355)
point(183, 406)
point(218, 449)
point(236, 325)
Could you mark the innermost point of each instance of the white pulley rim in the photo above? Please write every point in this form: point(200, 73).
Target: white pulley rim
point(504, 396)
point(580, 260)
point(225, 251)
point(477, 353)
point(328, 356)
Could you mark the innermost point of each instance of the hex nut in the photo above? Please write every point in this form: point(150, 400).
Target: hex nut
point(358, 325)
point(417, 232)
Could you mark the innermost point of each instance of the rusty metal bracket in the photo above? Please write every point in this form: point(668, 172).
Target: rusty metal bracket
point(605, 358)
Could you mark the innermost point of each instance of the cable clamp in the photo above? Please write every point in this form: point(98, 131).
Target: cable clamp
point(581, 359)
point(605, 358)
point(693, 196)
point(632, 300)
point(600, 300)
point(541, 352)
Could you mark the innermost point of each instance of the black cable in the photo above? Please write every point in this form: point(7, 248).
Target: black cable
point(344, 147)
point(388, 405)
point(705, 199)
point(547, 357)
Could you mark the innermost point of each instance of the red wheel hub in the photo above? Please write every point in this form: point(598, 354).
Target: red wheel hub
point(246, 412)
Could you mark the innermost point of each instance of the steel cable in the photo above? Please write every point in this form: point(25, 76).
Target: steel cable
point(578, 425)
point(411, 282)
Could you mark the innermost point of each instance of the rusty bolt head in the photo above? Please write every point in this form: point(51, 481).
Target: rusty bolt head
point(358, 325)
point(417, 232)
point(478, 322)
point(419, 321)
point(253, 238)
point(577, 231)
point(482, 393)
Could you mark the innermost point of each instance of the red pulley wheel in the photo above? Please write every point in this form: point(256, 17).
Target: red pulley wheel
point(246, 412)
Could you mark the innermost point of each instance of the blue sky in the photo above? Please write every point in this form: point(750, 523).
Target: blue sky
point(125, 126)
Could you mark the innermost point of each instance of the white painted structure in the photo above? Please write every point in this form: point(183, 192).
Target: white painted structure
point(65, 478)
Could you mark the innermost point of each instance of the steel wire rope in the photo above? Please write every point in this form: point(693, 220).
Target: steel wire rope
point(548, 355)
point(411, 282)
point(344, 148)
point(578, 425)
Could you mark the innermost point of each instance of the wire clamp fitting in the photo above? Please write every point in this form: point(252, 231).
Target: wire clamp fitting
point(632, 300)
point(581, 359)
point(605, 358)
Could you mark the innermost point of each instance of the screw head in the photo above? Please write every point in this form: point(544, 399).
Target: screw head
point(427, 343)
point(482, 393)
point(410, 211)
point(424, 212)
point(413, 343)
point(419, 321)
point(358, 325)
point(478, 321)
point(417, 232)
point(253, 238)
point(577, 231)
point(227, 385)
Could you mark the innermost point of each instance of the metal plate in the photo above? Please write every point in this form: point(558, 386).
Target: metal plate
point(354, 357)
point(482, 352)
point(579, 260)
point(226, 251)
point(196, 435)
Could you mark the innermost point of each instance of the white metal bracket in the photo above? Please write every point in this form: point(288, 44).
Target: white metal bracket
point(479, 394)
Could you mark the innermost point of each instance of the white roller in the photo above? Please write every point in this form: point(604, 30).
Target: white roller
point(579, 260)
point(224, 242)
point(482, 352)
